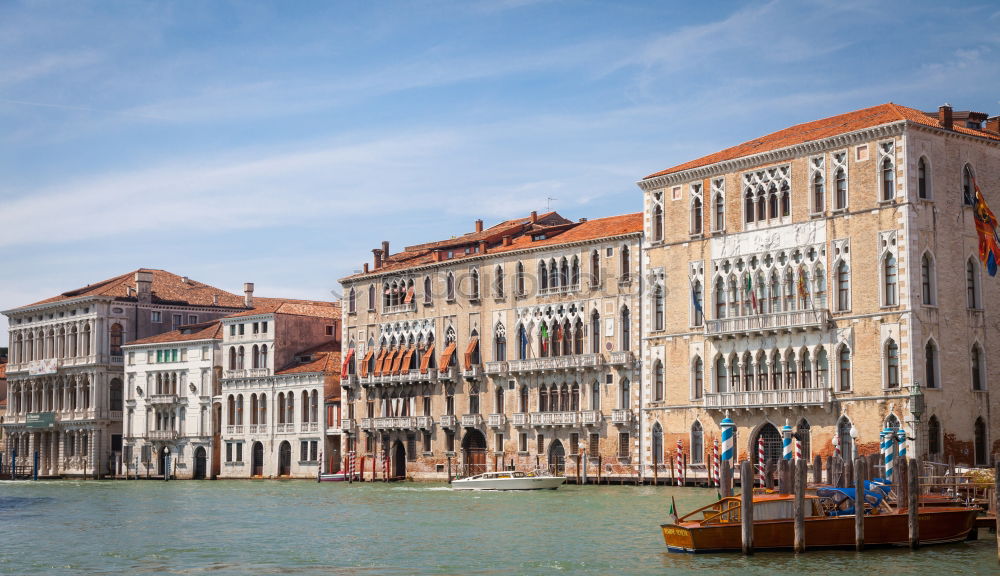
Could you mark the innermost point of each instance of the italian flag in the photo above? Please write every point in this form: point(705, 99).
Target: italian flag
point(748, 287)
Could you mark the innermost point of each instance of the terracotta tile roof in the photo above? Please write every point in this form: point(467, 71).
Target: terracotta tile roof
point(825, 128)
point(313, 308)
point(322, 358)
point(167, 288)
point(201, 331)
point(557, 230)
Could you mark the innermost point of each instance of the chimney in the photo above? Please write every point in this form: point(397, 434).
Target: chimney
point(215, 299)
point(993, 125)
point(248, 294)
point(437, 255)
point(507, 240)
point(184, 279)
point(378, 257)
point(479, 225)
point(534, 216)
point(482, 246)
point(366, 267)
point(944, 116)
point(144, 286)
point(385, 249)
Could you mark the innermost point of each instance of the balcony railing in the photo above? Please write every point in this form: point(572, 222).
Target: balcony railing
point(496, 420)
point(234, 429)
point(584, 418)
point(621, 416)
point(450, 374)
point(622, 358)
point(496, 368)
point(247, 373)
point(258, 428)
point(346, 424)
point(425, 422)
point(520, 419)
point(163, 399)
point(398, 308)
point(472, 420)
point(473, 373)
point(796, 320)
point(761, 399)
point(395, 423)
point(163, 434)
point(573, 362)
point(566, 289)
point(351, 380)
point(367, 423)
point(448, 421)
point(284, 428)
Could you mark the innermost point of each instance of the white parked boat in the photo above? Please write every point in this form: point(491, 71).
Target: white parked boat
point(509, 480)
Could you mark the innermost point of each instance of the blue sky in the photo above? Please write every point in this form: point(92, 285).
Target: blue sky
point(279, 142)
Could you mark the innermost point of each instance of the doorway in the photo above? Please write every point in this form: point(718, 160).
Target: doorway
point(200, 463)
point(474, 452)
point(257, 460)
point(285, 459)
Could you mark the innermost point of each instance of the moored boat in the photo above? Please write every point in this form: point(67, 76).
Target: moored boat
point(509, 480)
point(829, 523)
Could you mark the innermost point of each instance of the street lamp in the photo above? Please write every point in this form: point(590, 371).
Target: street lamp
point(917, 408)
point(854, 441)
point(583, 459)
point(166, 464)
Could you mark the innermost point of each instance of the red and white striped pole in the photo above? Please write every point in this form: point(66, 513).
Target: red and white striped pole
point(760, 460)
point(715, 463)
point(798, 449)
point(680, 463)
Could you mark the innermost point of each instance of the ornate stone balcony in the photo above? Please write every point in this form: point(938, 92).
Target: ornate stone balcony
point(163, 435)
point(520, 419)
point(496, 420)
point(621, 416)
point(774, 323)
point(762, 399)
point(258, 429)
point(163, 399)
point(407, 377)
point(496, 368)
point(623, 358)
point(584, 418)
point(247, 373)
point(475, 373)
point(350, 381)
point(284, 428)
point(395, 423)
point(448, 421)
point(400, 308)
point(450, 374)
point(552, 364)
point(472, 420)
point(346, 424)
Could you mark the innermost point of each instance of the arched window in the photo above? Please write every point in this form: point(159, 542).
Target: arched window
point(474, 284)
point(720, 298)
point(968, 192)
point(786, 201)
point(578, 337)
point(891, 364)
point(844, 438)
point(523, 400)
point(428, 290)
point(822, 368)
point(240, 357)
point(543, 339)
point(978, 368)
point(980, 442)
point(697, 443)
point(927, 291)
point(255, 357)
point(843, 287)
point(498, 404)
point(657, 223)
point(522, 343)
point(520, 279)
point(595, 395)
point(263, 356)
point(387, 291)
point(696, 215)
point(972, 284)
point(890, 293)
point(305, 406)
point(625, 265)
point(657, 447)
point(819, 193)
point(500, 342)
point(543, 275)
point(934, 438)
point(626, 329)
point(923, 179)
point(595, 332)
point(719, 220)
point(658, 381)
point(282, 410)
point(254, 410)
point(772, 204)
point(625, 399)
point(574, 397)
point(658, 307)
point(498, 282)
point(840, 180)
point(698, 379)
point(698, 312)
point(314, 406)
point(554, 277)
point(116, 339)
point(574, 273)
point(721, 379)
point(352, 301)
point(930, 365)
point(239, 410)
point(450, 287)
point(232, 358)
point(888, 179)
point(231, 410)
point(290, 417)
point(543, 399)
point(748, 206)
point(595, 269)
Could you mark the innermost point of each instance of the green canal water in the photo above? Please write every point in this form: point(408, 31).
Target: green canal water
point(298, 527)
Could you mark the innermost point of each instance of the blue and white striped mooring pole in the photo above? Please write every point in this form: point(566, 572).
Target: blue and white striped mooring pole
point(890, 437)
point(728, 432)
point(786, 441)
point(901, 435)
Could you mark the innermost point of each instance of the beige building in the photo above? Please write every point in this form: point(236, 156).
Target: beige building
point(508, 346)
point(825, 276)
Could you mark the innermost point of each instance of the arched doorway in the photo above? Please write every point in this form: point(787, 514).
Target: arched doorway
point(257, 460)
point(163, 462)
point(200, 463)
point(285, 459)
point(398, 460)
point(557, 458)
point(772, 443)
point(474, 452)
point(657, 446)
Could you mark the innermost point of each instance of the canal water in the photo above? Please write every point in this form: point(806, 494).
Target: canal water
point(298, 527)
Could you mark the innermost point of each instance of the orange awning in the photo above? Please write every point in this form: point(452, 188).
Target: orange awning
point(425, 360)
point(347, 361)
point(409, 295)
point(407, 359)
point(387, 363)
point(468, 352)
point(364, 363)
point(398, 361)
point(446, 357)
point(380, 362)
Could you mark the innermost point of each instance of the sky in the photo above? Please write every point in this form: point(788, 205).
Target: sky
point(279, 142)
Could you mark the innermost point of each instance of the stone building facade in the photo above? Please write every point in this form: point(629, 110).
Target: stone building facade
point(826, 276)
point(66, 370)
point(513, 345)
point(280, 361)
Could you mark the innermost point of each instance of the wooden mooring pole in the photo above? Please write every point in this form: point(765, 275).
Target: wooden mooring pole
point(799, 505)
point(746, 506)
point(818, 470)
point(913, 501)
point(995, 504)
point(859, 504)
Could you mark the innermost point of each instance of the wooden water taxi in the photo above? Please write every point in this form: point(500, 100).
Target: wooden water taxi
point(829, 523)
point(509, 480)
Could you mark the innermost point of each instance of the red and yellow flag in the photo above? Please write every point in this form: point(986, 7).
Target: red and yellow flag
point(986, 227)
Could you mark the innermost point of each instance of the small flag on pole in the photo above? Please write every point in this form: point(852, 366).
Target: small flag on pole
point(986, 228)
point(803, 290)
point(673, 511)
point(748, 288)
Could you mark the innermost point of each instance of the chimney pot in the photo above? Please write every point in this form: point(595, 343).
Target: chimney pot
point(215, 299)
point(184, 279)
point(534, 216)
point(945, 117)
point(993, 125)
point(385, 249)
point(507, 240)
point(437, 255)
point(377, 252)
point(144, 286)
point(479, 225)
point(482, 247)
point(248, 294)
point(366, 267)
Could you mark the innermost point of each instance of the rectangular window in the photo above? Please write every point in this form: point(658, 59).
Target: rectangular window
point(178, 320)
point(522, 442)
point(204, 352)
point(232, 329)
point(368, 443)
point(623, 445)
point(256, 328)
point(427, 441)
point(173, 355)
point(313, 448)
point(159, 356)
point(239, 451)
point(574, 444)
point(192, 319)
point(155, 317)
point(449, 441)
point(242, 329)
point(540, 444)
point(149, 357)
point(499, 442)
point(229, 451)
point(303, 451)
point(263, 327)
point(411, 447)
point(329, 330)
point(184, 354)
point(595, 445)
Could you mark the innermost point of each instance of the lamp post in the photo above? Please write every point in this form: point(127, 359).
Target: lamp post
point(854, 441)
point(166, 464)
point(917, 407)
point(583, 460)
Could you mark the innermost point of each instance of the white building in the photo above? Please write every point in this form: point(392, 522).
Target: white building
point(280, 362)
point(170, 381)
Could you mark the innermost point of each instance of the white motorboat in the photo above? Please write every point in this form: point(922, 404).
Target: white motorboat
point(509, 480)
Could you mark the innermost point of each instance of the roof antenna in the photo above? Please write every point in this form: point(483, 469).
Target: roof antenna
point(548, 203)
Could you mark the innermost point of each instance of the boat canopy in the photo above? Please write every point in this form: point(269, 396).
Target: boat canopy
point(844, 498)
